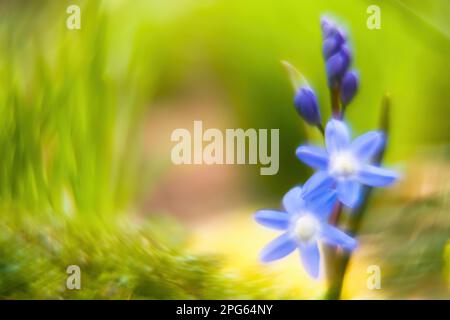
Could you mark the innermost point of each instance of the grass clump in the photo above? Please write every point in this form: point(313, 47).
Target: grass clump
point(118, 260)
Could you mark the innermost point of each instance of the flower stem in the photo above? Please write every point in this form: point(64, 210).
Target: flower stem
point(331, 255)
point(321, 129)
point(335, 214)
point(337, 261)
point(335, 108)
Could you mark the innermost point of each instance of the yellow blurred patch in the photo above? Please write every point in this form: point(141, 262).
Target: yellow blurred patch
point(239, 239)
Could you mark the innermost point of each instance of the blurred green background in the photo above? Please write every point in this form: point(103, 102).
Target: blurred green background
point(85, 122)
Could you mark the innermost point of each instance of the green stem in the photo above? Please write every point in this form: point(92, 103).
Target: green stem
point(336, 260)
point(320, 127)
point(331, 257)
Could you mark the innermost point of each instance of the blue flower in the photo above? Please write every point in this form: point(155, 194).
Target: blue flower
point(306, 104)
point(344, 166)
point(304, 224)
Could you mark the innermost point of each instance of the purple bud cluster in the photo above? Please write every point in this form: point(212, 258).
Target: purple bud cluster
point(338, 58)
point(343, 81)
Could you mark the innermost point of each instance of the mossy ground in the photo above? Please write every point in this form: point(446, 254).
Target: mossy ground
point(118, 259)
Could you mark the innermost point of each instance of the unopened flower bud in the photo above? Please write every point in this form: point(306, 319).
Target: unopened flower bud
point(328, 27)
point(337, 65)
point(332, 44)
point(306, 104)
point(349, 87)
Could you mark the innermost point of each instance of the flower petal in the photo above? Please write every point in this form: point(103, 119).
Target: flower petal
point(278, 248)
point(310, 256)
point(335, 237)
point(293, 201)
point(376, 176)
point(315, 157)
point(322, 204)
point(337, 136)
point(349, 192)
point(368, 145)
point(318, 183)
point(273, 219)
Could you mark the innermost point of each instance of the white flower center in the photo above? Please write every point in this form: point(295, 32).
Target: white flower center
point(343, 165)
point(306, 228)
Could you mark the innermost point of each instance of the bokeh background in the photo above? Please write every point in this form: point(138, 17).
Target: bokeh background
point(85, 123)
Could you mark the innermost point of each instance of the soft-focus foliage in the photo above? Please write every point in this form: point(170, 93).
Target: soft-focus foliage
point(118, 260)
point(70, 112)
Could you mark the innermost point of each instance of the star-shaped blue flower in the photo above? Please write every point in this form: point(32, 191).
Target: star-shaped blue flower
point(304, 224)
point(344, 165)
